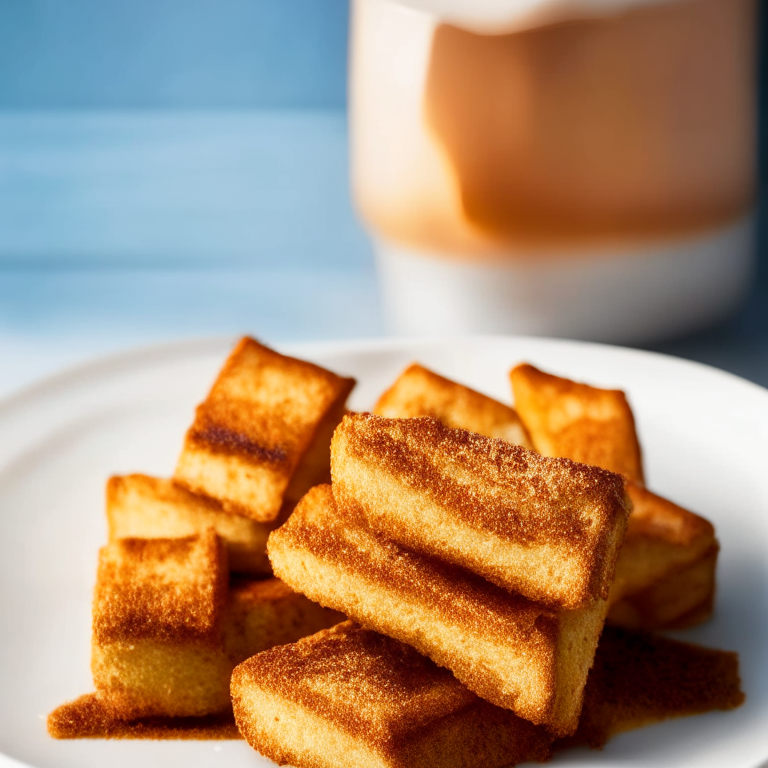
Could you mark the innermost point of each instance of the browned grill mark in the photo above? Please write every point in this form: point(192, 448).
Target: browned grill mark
point(223, 440)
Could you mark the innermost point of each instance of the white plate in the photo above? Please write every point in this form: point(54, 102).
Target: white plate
point(704, 434)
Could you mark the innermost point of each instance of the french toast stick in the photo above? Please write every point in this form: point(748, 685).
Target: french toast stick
point(168, 629)
point(261, 438)
point(548, 529)
point(421, 392)
point(350, 698)
point(665, 572)
point(663, 577)
point(509, 650)
point(576, 421)
point(681, 599)
point(158, 614)
point(143, 507)
point(259, 615)
point(661, 538)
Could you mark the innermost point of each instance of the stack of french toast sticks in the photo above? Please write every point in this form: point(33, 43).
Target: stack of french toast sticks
point(501, 572)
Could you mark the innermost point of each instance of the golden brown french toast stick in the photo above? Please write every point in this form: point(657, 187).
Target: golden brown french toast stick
point(509, 650)
point(259, 614)
point(262, 436)
point(262, 613)
point(665, 574)
point(662, 579)
point(143, 507)
point(548, 529)
point(421, 392)
point(680, 599)
point(576, 421)
point(350, 698)
point(167, 629)
point(158, 615)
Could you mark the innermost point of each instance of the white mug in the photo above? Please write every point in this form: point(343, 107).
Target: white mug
point(579, 168)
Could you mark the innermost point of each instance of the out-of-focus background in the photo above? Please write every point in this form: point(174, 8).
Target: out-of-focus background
point(171, 169)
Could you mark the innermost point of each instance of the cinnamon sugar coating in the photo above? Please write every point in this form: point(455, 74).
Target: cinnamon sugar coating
point(576, 421)
point(87, 718)
point(421, 392)
point(548, 529)
point(511, 651)
point(348, 696)
point(161, 589)
point(158, 614)
point(259, 421)
point(639, 679)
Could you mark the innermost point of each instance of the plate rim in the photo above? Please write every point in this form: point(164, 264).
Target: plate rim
point(143, 354)
point(137, 357)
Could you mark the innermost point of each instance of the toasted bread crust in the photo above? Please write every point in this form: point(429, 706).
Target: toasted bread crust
point(251, 432)
point(548, 529)
point(577, 421)
point(161, 589)
point(421, 392)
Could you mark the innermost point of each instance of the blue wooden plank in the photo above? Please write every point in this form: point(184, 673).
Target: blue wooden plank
point(141, 305)
point(169, 188)
point(187, 54)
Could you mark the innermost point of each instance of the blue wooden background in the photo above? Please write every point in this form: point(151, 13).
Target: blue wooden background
point(179, 167)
